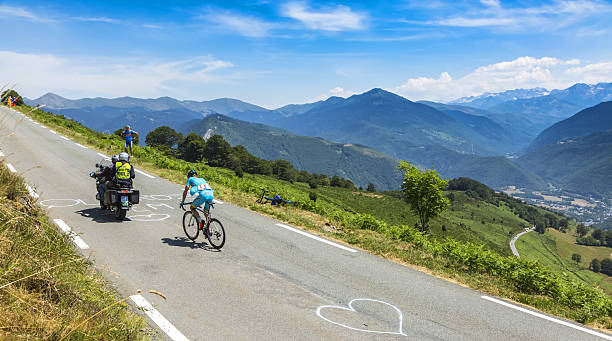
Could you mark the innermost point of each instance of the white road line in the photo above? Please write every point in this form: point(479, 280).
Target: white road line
point(104, 156)
point(52, 132)
point(316, 237)
point(76, 239)
point(11, 168)
point(1, 154)
point(33, 193)
point(158, 318)
point(80, 145)
point(217, 201)
point(65, 138)
point(565, 323)
point(143, 173)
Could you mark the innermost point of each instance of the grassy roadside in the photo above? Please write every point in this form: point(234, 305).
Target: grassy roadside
point(47, 290)
point(467, 263)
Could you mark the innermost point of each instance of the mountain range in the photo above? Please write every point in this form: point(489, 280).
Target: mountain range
point(464, 138)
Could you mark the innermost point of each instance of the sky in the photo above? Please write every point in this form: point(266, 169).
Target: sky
point(273, 53)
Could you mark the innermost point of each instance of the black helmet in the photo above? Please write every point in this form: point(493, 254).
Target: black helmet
point(192, 173)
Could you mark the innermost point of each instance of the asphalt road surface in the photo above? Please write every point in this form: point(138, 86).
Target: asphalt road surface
point(268, 282)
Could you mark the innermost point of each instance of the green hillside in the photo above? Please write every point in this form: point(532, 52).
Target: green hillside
point(359, 164)
point(582, 165)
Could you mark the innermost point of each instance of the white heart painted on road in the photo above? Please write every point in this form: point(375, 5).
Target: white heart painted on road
point(350, 308)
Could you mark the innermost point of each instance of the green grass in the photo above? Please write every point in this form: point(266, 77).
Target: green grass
point(48, 305)
point(555, 249)
point(380, 224)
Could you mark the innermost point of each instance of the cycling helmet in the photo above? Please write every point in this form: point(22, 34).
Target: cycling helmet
point(114, 159)
point(123, 156)
point(192, 173)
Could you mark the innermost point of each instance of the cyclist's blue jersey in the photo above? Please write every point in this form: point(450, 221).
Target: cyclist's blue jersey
point(197, 185)
point(129, 135)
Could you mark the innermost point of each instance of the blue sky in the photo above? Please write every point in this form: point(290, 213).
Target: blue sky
point(273, 53)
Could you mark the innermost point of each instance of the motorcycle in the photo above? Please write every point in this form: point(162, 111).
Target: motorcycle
point(122, 197)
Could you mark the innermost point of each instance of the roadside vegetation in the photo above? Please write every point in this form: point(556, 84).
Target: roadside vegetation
point(47, 290)
point(467, 243)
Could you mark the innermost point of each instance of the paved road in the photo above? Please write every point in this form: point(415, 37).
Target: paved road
point(513, 241)
point(268, 282)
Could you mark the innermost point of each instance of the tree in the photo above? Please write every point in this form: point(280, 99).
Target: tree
point(191, 148)
point(423, 191)
point(563, 224)
point(217, 151)
point(284, 170)
point(371, 188)
point(597, 234)
point(576, 257)
point(582, 230)
point(606, 266)
point(135, 140)
point(595, 265)
point(163, 136)
point(335, 181)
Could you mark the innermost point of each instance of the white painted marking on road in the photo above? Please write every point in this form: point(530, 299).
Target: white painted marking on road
point(149, 217)
point(1, 154)
point(143, 173)
point(217, 201)
point(546, 317)
point(65, 138)
point(11, 168)
point(33, 193)
point(351, 309)
point(316, 237)
point(50, 203)
point(80, 145)
point(157, 206)
point(76, 239)
point(158, 318)
point(52, 132)
point(104, 156)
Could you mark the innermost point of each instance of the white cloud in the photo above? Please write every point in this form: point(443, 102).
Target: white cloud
point(337, 92)
point(19, 12)
point(247, 26)
point(523, 72)
point(36, 74)
point(558, 14)
point(96, 19)
point(340, 18)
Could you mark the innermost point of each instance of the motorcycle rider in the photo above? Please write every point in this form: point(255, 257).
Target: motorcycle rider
point(122, 174)
point(105, 175)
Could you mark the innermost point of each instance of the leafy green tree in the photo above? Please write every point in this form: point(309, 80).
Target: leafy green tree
point(12, 93)
point(163, 136)
point(582, 230)
point(217, 151)
point(335, 181)
point(576, 257)
point(423, 191)
point(313, 183)
point(597, 234)
point(563, 224)
point(135, 140)
point(606, 266)
point(283, 169)
point(191, 148)
point(371, 188)
point(595, 265)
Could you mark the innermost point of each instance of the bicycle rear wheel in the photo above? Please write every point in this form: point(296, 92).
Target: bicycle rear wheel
point(216, 233)
point(190, 225)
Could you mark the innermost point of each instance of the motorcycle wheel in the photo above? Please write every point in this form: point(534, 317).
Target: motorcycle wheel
point(120, 214)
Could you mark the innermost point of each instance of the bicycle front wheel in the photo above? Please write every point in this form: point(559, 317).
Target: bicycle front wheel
point(216, 233)
point(190, 225)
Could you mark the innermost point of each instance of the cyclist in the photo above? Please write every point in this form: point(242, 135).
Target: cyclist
point(128, 134)
point(205, 194)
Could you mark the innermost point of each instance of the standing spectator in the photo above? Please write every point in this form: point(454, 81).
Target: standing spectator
point(128, 134)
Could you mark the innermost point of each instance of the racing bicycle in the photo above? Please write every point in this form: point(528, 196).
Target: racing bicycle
point(212, 228)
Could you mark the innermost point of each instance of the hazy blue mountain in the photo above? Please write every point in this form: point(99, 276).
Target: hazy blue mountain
point(488, 99)
point(585, 95)
point(385, 121)
point(221, 105)
point(586, 122)
point(581, 164)
point(360, 164)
